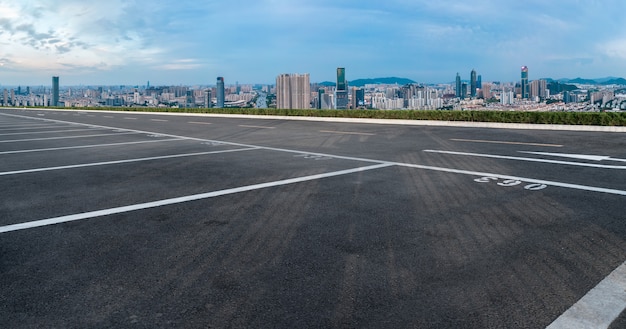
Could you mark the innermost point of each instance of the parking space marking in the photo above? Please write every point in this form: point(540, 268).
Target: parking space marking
point(503, 142)
point(90, 146)
point(260, 127)
point(26, 127)
point(599, 307)
point(68, 137)
point(347, 132)
point(165, 202)
point(48, 132)
point(493, 156)
point(28, 171)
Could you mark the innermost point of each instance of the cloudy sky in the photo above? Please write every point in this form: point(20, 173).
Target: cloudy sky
point(252, 41)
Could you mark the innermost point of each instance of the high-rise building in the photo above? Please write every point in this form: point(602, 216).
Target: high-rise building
point(55, 91)
point(479, 82)
point(220, 92)
point(5, 98)
point(463, 90)
point(524, 85)
point(341, 92)
point(473, 85)
point(458, 93)
point(207, 99)
point(293, 91)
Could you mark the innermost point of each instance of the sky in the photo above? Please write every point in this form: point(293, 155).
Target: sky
point(252, 41)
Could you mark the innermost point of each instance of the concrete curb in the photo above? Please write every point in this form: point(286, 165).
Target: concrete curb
point(433, 123)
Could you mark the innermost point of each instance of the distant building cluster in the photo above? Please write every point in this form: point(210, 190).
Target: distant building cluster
point(295, 91)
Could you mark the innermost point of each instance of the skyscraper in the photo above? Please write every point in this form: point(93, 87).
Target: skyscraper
point(458, 86)
point(55, 91)
point(293, 91)
point(524, 84)
point(479, 82)
point(220, 92)
point(207, 99)
point(473, 85)
point(341, 99)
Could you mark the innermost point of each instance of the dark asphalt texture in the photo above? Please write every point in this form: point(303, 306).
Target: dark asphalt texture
point(394, 247)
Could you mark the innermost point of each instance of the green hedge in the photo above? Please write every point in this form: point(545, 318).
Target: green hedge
point(568, 118)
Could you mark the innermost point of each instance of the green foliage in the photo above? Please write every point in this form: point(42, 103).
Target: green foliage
point(568, 118)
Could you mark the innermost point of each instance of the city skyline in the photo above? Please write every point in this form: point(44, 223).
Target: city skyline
point(190, 42)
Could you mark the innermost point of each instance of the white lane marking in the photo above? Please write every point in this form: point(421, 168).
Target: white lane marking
point(88, 146)
point(27, 171)
point(67, 137)
point(26, 127)
point(158, 120)
point(580, 164)
point(503, 142)
point(577, 156)
point(200, 123)
point(347, 132)
point(524, 179)
point(108, 116)
point(260, 127)
point(599, 307)
point(47, 132)
point(130, 118)
point(165, 202)
point(465, 172)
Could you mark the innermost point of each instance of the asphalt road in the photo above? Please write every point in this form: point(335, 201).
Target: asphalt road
point(126, 220)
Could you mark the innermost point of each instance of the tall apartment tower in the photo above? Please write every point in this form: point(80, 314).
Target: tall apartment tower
point(55, 91)
point(293, 91)
point(525, 91)
point(473, 84)
point(220, 92)
point(458, 86)
point(341, 92)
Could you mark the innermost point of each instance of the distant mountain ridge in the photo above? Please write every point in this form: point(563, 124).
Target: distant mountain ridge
point(599, 81)
point(363, 82)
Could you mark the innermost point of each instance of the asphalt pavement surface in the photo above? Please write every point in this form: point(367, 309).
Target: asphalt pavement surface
point(129, 220)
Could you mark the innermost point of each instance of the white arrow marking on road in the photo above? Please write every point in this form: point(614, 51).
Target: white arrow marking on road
point(578, 156)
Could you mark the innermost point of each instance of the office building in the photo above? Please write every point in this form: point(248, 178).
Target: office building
point(293, 91)
point(341, 92)
point(458, 89)
point(220, 92)
point(473, 84)
point(207, 99)
point(5, 98)
point(55, 91)
point(479, 82)
point(524, 84)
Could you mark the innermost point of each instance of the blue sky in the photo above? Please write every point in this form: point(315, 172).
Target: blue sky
point(252, 41)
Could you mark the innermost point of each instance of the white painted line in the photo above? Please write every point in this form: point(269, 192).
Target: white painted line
point(47, 132)
point(346, 133)
point(88, 146)
point(260, 127)
point(465, 172)
point(599, 307)
point(158, 120)
point(26, 127)
point(130, 118)
point(503, 142)
point(67, 137)
point(28, 171)
point(160, 203)
point(580, 164)
point(578, 156)
point(200, 123)
point(108, 116)
point(523, 179)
